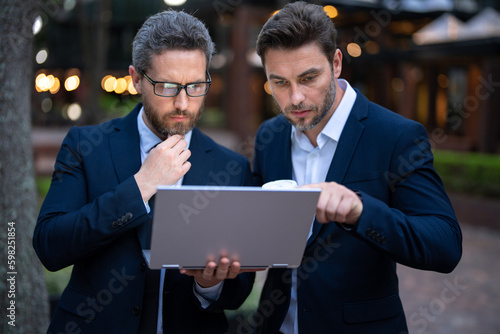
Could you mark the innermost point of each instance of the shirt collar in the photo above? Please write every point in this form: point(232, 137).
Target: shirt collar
point(147, 137)
point(333, 129)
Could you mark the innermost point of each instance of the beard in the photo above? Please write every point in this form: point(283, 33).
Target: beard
point(302, 124)
point(162, 124)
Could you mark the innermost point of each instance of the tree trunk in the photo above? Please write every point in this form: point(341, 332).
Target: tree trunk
point(94, 20)
point(23, 296)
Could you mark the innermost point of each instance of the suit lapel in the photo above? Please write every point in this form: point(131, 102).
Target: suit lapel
point(124, 145)
point(281, 154)
point(125, 152)
point(201, 160)
point(346, 147)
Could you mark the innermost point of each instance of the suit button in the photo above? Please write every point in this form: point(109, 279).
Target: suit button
point(136, 310)
point(115, 224)
point(369, 232)
point(128, 215)
point(142, 266)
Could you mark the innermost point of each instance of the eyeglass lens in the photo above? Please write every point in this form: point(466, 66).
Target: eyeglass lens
point(171, 89)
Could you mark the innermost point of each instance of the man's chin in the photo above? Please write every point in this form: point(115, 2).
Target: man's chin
point(300, 124)
point(180, 129)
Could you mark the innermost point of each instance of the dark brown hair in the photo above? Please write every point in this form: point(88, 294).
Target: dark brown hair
point(295, 25)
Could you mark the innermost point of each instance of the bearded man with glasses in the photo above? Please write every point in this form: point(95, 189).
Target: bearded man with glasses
point(98, 211)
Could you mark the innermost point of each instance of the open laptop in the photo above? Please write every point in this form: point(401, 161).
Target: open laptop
point(261, 228)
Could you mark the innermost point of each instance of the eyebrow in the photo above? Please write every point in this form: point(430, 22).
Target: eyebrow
point(311, 71)
point(306, 72)
point(187, 83)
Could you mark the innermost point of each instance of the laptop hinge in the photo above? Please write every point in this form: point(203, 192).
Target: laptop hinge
point(170, 266)
point(280, 265)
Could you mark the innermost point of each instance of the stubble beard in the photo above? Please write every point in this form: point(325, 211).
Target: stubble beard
point(161, 122)
point(320, 113)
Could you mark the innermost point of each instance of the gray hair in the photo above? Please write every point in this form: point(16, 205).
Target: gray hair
point(170, 30)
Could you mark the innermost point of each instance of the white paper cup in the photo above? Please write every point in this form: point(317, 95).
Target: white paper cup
point(280, 184)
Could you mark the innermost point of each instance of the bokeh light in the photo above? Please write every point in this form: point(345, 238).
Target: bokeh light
point(41, 56)
point(37, 25)
point(354, 50)
point(174, 2)
point(331, 11)
point(71, 83)
point(74, 111)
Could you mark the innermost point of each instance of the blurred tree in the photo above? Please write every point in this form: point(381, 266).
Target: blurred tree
point(23, 297)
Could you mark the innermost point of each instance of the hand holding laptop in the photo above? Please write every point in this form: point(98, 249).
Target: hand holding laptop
point(213, 273)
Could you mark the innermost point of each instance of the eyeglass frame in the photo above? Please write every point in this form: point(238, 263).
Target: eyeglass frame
point(179, 86)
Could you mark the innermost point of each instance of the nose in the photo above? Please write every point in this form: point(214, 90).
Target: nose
point(297, 96)
point(181, 101)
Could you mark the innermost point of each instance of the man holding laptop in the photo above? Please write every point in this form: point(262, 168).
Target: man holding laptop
point(381, 203)
point(97, 213)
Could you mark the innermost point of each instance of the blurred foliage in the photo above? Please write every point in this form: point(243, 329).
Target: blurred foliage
point(118, 106)
point(212, 117)
point(56, 281)
point(43, 185)
point(469, 172)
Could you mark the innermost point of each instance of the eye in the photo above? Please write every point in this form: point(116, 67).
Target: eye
point(166, 88)
point(308, 78)
point(279, 83)
point(194, 86)
point(168, 85)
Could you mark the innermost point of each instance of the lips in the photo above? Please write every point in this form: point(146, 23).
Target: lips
point(179, 118)
point(300, 113)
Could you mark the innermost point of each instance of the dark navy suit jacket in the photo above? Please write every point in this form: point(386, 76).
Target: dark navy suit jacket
point(347, 282)
point(93, 217)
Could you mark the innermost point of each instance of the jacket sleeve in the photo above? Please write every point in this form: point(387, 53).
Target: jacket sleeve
point(417, 227)
point(70, 226)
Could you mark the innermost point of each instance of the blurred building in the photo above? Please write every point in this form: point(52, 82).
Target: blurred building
point(435, 61)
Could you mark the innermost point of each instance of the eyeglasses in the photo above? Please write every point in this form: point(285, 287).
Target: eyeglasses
point(170, 89)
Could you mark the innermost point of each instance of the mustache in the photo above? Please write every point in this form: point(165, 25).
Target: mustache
point(177, 112)
point(302, 106)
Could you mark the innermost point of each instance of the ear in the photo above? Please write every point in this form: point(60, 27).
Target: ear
point(136, 78)
point(337, 63)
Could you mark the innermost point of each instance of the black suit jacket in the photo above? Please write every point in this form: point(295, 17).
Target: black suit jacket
point(93, 218)
point(347, 281)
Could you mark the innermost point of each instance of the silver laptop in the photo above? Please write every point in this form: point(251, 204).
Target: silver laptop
point(260, 228)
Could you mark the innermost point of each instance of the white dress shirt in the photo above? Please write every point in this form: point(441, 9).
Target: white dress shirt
point(148, 140)
point(310, 165)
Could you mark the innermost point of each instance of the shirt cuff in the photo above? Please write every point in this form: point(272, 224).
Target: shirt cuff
point(146, 205)
point(207, 296)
